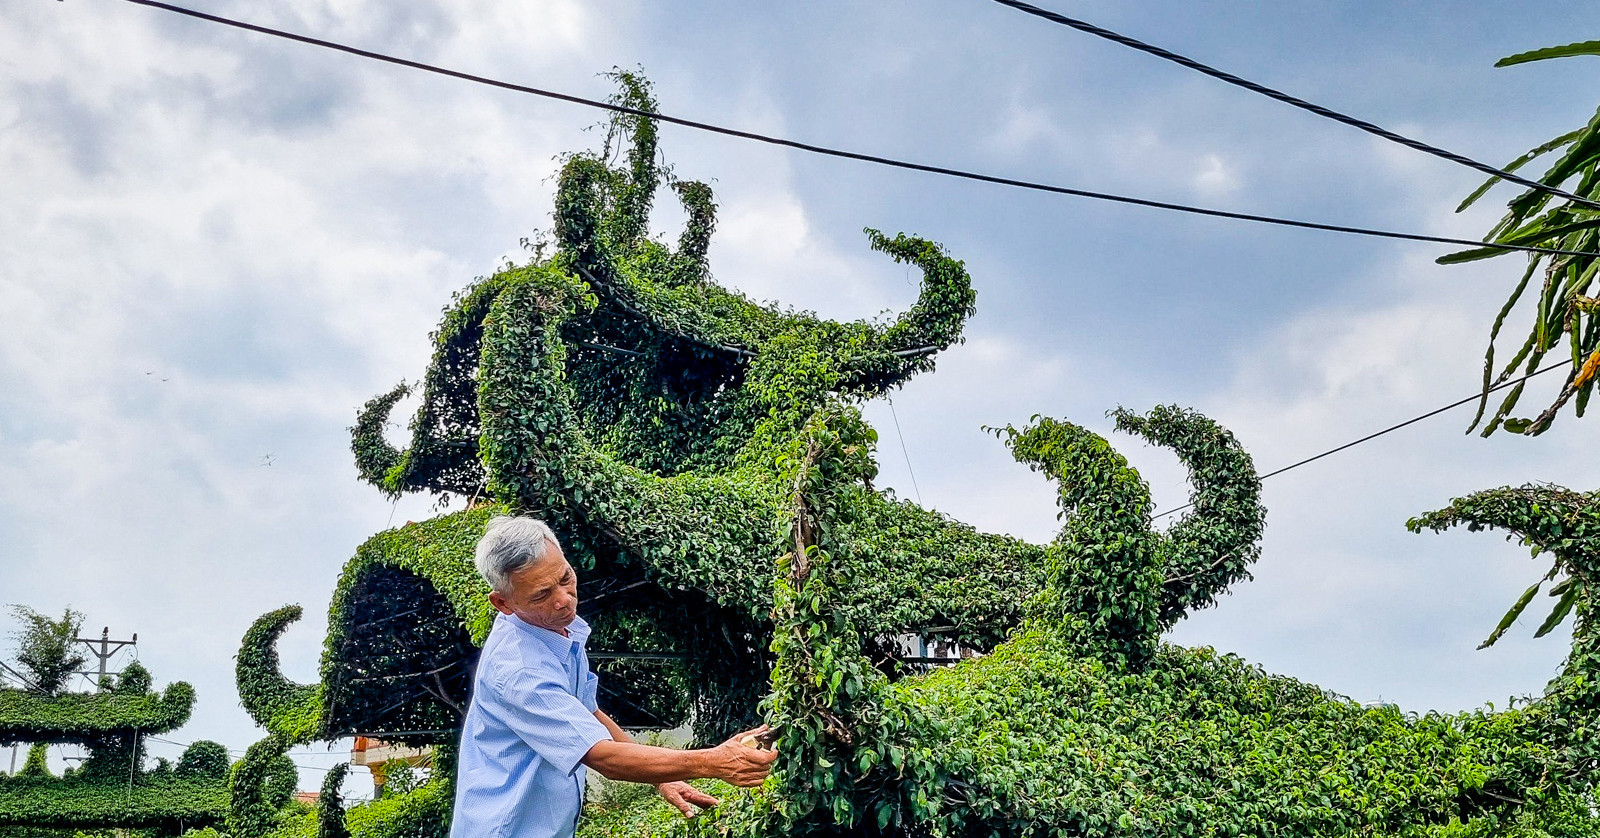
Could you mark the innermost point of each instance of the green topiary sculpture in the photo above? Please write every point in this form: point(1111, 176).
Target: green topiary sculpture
point(705, 464)
point(111, 788)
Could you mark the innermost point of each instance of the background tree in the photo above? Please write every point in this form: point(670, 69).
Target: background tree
point(45, 648)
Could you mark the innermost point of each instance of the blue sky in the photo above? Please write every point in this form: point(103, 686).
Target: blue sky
point(215, 246)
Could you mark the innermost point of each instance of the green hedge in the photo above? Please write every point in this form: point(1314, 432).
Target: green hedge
point(421, 813)
point(1080, 725)
point(152, 800)
point(75, 717)
point(110, 788)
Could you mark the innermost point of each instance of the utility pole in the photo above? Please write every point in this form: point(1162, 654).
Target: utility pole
point(5, 669)
point(104, 648)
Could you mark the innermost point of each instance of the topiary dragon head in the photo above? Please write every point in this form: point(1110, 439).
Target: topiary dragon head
point(658, 422)
point(663, 369)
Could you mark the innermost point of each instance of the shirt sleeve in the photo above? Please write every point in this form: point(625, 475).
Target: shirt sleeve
point(554, 723)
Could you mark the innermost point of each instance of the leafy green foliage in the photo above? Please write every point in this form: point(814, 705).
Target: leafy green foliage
point(1566, 51)
point(110, 788)
point(636, 809)
point(76, 717)
point(203, 759)
point(330, 804)
point(153, 799)
point(286, 709)
point(617, 392)
point(402, 778)
point(421, 813)
point(46, 648)
point(37, 764)
point(1564, 306)
point(1061, 731)
point(259, 788)
point(1565, 525)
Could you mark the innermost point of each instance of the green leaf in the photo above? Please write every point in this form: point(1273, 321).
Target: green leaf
point(1560, 612)
point(1517, 426)
point(1518, 163)
point(1581, 48)
point(1472, 255)
point(1512, 615)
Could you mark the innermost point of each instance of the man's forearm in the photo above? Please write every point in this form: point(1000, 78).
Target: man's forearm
point(615, 729)
point(634, 763)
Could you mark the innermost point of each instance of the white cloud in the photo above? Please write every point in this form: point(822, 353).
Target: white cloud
point(1215, 177)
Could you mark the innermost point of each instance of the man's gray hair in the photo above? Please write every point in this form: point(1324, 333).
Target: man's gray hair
point(510, 544)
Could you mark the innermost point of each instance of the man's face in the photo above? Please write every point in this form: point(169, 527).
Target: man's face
point(543, 594)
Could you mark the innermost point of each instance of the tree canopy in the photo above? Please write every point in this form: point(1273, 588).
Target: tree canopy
point(46, 648)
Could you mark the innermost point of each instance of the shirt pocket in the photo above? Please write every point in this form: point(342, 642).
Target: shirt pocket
point(588, 691)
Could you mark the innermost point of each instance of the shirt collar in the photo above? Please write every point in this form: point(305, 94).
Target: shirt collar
point(577, 633)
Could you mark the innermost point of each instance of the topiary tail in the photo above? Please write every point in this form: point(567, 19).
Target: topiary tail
point(290, 711)
point(259, 786)
point(907, 346)
point(1213, 546)
point(1105, 566)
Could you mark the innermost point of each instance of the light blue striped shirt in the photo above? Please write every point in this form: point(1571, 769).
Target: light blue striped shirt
point(530, 722)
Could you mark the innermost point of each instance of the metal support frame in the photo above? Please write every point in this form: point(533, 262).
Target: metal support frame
point(104, 648)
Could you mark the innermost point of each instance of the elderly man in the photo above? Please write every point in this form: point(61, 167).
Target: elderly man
point(533, 724)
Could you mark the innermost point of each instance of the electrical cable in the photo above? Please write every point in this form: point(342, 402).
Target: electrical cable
point(904, 452)
point(1319, 110)
point(1412, 421)
point(854, 155)
point(241, 753)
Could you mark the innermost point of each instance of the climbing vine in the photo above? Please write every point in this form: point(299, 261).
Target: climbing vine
point(330, 804)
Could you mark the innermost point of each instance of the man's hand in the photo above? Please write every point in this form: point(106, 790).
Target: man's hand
point(682, 794)
point(742, 765)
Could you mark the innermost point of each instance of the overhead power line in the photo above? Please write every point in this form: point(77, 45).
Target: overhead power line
point(851, 155)
point(1319, 110)
point(903, 451)
point(237, 752)
point(1412, 421)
